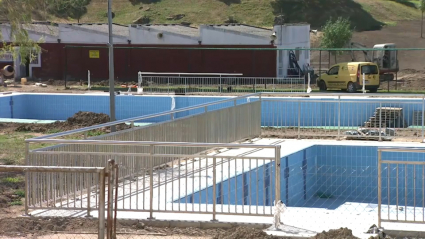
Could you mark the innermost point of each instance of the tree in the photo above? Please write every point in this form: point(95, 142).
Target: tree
point(77, 9)
point(422, 8)
point(336, 34)
point(19, 13)
point(68, 8)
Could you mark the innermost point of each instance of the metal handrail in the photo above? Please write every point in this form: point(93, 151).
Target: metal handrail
point(81, 130)
point(342, 94)
point(149, 143)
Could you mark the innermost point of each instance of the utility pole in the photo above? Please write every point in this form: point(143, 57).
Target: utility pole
point(111, 67)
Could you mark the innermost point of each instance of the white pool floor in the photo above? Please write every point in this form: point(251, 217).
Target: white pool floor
point(315, 216)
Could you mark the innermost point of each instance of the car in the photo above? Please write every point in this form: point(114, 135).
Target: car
point(349, 76)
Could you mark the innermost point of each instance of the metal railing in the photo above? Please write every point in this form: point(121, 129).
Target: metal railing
point(205, 183)
point(171, 115)
point(401, 185)
point(349, 116)
point(52, 187)
point(222, 84)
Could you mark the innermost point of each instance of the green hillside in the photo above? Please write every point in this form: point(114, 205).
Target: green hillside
point(364, 14)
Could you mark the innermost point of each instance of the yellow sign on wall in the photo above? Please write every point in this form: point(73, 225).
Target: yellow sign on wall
point(94, 53)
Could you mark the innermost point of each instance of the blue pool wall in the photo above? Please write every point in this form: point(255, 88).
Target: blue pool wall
point(346, 173)
point(257, 186)
point(275, 111)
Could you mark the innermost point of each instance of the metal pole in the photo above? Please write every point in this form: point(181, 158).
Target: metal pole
point(380, 121)
point(379, 187)
point(214, 189)
point(299, 119)
point(111, 67)
point(111, 164)
point(101, 232)
point(66, 66)
point(339, 117)
point(277, 171)
point(423, 115)
point(320, 62)
point(27, 180)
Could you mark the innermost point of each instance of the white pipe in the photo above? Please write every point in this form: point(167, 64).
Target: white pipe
point(308, 84)
point(364, 82)
point(139, 82)
point(88, 79)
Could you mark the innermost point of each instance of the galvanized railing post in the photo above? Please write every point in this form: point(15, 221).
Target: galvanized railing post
point(102, 204)
point(277, 168)
point(214, 189)
point(89, 184)
point(423, 116)
point(380, 121)
point(221, 86)
point(299, 119)
point(27, 181)
point(339, 117)
point(379, 186)
point(151, 182)
point(111, 168)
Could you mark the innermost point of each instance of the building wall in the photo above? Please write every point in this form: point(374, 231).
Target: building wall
point(144, 35)
point(75, 62)
point(291, 37)
point(214, 36)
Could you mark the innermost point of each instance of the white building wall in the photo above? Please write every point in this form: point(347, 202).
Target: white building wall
point(75, 34)
point(145, 35)
point(216, 36)
point(5, 31)
point(291, 37)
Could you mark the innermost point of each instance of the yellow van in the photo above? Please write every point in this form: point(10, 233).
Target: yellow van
point(349, 76)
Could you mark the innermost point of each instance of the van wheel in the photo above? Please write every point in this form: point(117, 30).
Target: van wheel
point(373, 90)
point(351, 88)
point(322, 86)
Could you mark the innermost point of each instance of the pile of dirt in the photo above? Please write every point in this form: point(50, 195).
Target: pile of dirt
point(342, 233)
point(244, 233)
point(25, 226)
point(78, 120)
point(84, 119)
point(41, 226)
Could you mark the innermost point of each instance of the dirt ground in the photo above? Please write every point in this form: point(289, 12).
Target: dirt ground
point(46, 227)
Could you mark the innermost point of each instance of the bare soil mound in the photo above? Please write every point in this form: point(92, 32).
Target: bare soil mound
point(78, 120)
point(43, 226)
point(25, 226)
point(342, 233)
point(244, 233)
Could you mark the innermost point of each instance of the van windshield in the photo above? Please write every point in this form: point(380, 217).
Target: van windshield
point(370, 70)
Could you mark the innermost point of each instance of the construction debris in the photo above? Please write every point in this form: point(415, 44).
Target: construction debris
point(370, 134)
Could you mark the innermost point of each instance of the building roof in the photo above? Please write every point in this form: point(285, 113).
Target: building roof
point(44, 28)
point(174, 28)
point(118, 30)
point(258, 31)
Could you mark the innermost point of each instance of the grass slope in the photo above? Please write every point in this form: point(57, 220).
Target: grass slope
point(365, 14)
